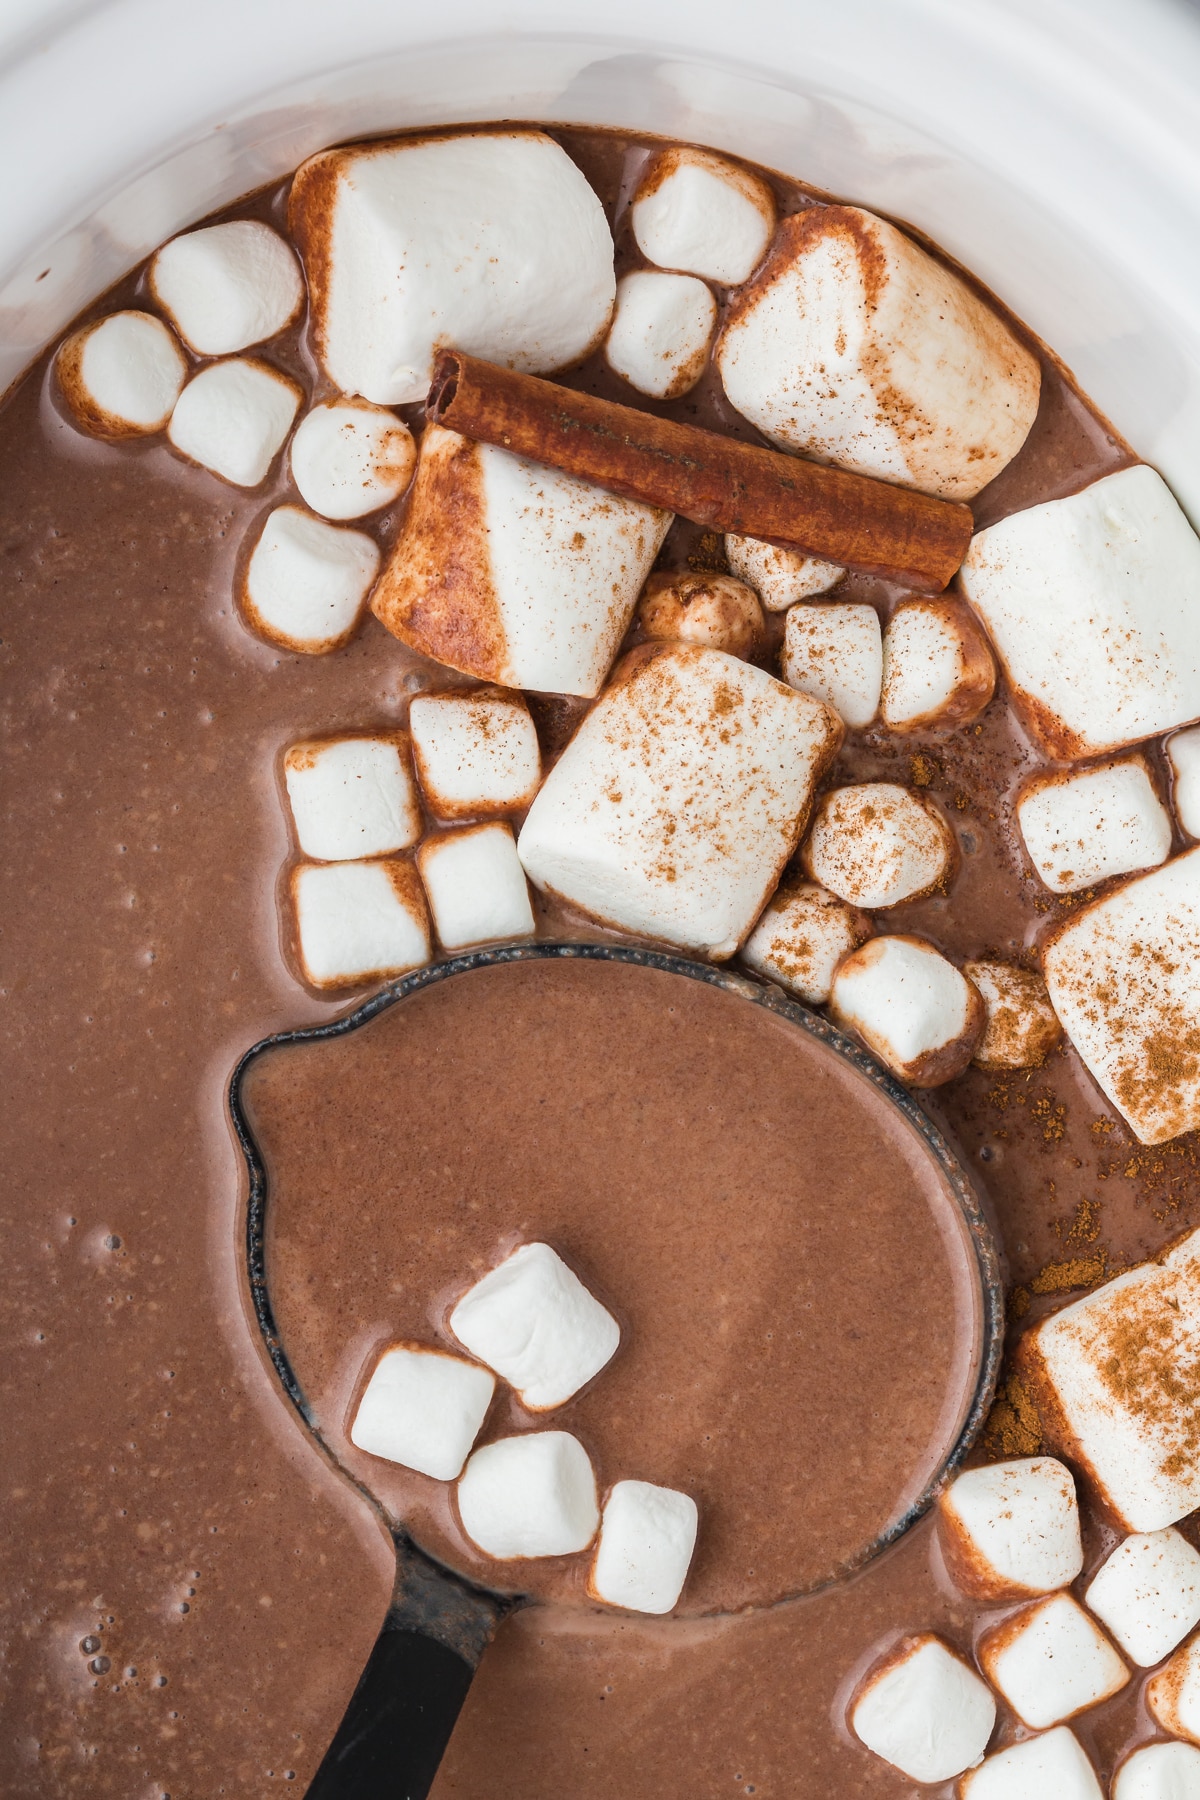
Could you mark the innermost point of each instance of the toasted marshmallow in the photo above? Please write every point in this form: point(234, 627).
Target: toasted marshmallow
point(1022, 1027)
point(1051, 1767)
point(1132, 1432)
point(835, 653)
point(696, 211)
point(924, 1711)
point(779, 577)
point(658, 340)
point(680, 798)
point(1082, 827)
point(122, 375)
point(937, 668)
point(715, 610)
point(910, 1006)
point(1148, 1594)
point(228, 286)
point(1011, 1530)
point(1050, 1661)
point(1159, 1772)
point(306, 583)
point(529, 1496)
point(423, 1409)
point(351, 797)
point(647, 1535)
point(350, 458)
point(854, 346)
point(492, 241)
point(533, 1321)
point(1173, 1695)
point(476, 752)
point(877, 844)
point(232, 418)
point(1093, 605)
point(1183, 753)
point(802, 937)
point(476, 886)
point(358, 921)
point(513, 572)
point(1124, 978)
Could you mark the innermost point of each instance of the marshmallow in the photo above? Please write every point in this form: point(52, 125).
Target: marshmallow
point(878, 844)
point(1093, 604)
point(476, 752)
point(358, 921)
point(680, 798)
point(423, 1409)
point(715, 610)
point(228, 286)
point(1183, 753)
point(937, 668)
point(492, 241)
point(854, 346)
point(802, 937)
point(647, 1535)
point(529, 1496)
point(232, 418)
point(1011, 1530)
point(1051, 1767)
point(1148, 1594)
point(306, 582)
point(1124, 978)
point(1081, 828)
point(695, 211)
point(658, 340)
point(475, 885)
point(1113, 1377)
point(122, 375)
point(779, 577)
point(835, 653)
point(350, 458)
point(533, 1321)
point(351, 797)
point(1021, 1027)
point(513, 572)
point(1159, 1772)
point(1050, 1661)
point(910, 1006)
point(924, 1711)
point(1173, 1695)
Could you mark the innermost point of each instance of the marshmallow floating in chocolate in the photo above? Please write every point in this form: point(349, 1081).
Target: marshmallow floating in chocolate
point(910, 1006)
point(1022, 1027)
point(476, 886)
point(476, 752)
point(1183, 754)
point(526, 1496)
point(1051, 1662)
point(835, 653)
point(1159, 1772)
point(924, 1711)
point(232, 418)
point(349, 458)
point(647, 1535)
point(533, 1321)
point(358, 921)
point(1173, 1695)
point(1053, 1766)
point(1082, 827)
point(351, 797)
point(658, 340)
point(779, 577)
point(227, 286)
point(696, 211)
point(937, 667)
point(306, 582)
point(1011, 1530)
point(422, 1408)
point(122, 375)
point(877, 844)
point(1148, 1594)
point(716, 610)
point(801, 938)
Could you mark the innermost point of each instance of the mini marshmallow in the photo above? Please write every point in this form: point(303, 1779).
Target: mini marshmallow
point(1148, 1594)
point(937, 667)
point(1081, 828)
point(647, 1535)
point(910, 1006)
point(1183, 754)
point(358, 922)
point(696, 211)
point(658, 340)
point(423, 1409)
point(351, 797)
point(1011, 1530)
point(1050, 1662)
point(475, 885)
point(306, 583)
point(682, 795)
point(529, 1496)
point(476, 752)
point(122, 375)
point(835, 653)
point(533, 1321)
point(1021, 1027)
point(715, 610)
point(1159, 1772)
point(924, 1711)
point(1051, 1767)
point(802, 937)
point(855, 347)
point(232, 418)
point(514, 572)
point(877, 844)
point(350, 458)
point(228, 286)
point(779, 577)
point(1093, 605)
point(1173, 1695)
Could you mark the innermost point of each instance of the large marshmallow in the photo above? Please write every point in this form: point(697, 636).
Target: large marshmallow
point(358, 921)
point(1124, 978)
point(476, 752)
point(1050, 1661)
point(1093, 604)
point(228, 286)
point(1051, 1767)
point(696, 211)
point(937, 667)
point(529, 1496)
point(1159, 1772)
point(306, 582)
point(1021, 1027)
point(514, 572)
point(835, 653)
point(658, 340)
point(779, 577)
point(878, 844)
point(349, 458)
point(492, 241)
point(1173, 1695)
point(351, 797)
point(423, 1409)
point(802, 937)
point(854, 346)
point(716, 610)
point(1011, 1530)
point(1183, 754)
point(910, 1006)
point(122, 375)
point(1114, 1379)
point(680, 798)
point(533, 1321)
point(647, 1535)
point(1148, 1594)
point(1081, 828)
point(476, 886)
point(924, 1711)
point(232, 418)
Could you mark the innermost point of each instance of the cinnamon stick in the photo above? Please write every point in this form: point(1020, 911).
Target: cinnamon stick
point(865, 525)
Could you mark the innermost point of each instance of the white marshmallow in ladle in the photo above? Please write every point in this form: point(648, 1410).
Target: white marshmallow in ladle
point(647, 1535)
point(527, 1496)
point(533, 1321)
point(423, 1409)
